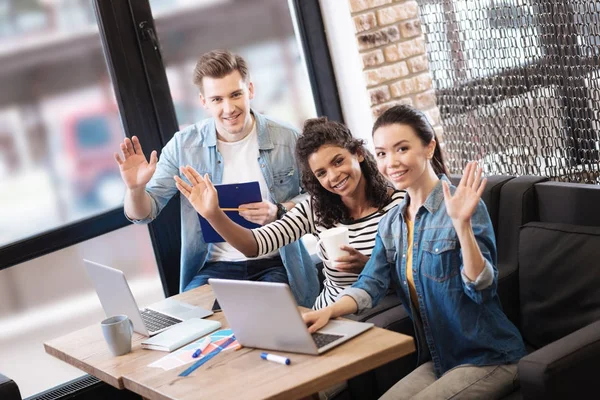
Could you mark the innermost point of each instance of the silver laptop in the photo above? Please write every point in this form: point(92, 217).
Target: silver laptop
point(265, 315)
point(116, 298)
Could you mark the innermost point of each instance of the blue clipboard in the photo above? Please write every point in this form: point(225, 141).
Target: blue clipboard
point(232, 195)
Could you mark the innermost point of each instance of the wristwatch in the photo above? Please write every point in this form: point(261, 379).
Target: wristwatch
point(280, 210)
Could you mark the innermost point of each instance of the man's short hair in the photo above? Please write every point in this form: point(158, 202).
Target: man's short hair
point(217, 64)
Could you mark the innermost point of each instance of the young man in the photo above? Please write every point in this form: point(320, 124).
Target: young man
point(235, 145)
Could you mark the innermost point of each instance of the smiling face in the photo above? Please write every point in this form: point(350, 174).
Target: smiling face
point(402, 157)
point(336, 169)
point(227, 100)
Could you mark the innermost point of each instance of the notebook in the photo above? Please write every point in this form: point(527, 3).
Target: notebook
point(181, 334)
point(231, 195)
point(248, 307)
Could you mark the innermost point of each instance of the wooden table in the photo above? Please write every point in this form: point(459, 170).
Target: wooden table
point(232, 374)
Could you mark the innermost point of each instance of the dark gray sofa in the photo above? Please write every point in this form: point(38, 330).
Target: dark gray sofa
point(9, 389)
point(552, 235)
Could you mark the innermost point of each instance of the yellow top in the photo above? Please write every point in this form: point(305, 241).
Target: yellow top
point(409, 270)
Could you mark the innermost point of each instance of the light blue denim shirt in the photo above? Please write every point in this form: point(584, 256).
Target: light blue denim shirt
point(458, 322)
point(196, 145)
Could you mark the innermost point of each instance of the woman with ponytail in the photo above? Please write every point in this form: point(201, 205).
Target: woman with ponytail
point(438, 249)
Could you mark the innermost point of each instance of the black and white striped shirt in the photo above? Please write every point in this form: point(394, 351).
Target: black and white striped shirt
point(300, 221)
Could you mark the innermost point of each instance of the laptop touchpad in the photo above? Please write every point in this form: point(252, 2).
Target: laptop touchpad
point(179, 309)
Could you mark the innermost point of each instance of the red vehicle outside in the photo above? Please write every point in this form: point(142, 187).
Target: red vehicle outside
point(91, 137)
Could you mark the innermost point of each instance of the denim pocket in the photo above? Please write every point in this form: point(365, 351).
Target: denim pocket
point(440, 259)
point(283, 177)
point(286, 184)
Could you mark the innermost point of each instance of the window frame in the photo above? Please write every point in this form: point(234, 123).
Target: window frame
point(139, 79)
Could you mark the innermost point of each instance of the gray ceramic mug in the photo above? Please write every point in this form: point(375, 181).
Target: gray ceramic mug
point(118, 331)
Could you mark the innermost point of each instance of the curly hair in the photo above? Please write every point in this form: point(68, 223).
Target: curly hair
point(328, 207)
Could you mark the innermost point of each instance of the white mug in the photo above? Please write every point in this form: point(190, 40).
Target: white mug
point(331, 240)
point(118, 331)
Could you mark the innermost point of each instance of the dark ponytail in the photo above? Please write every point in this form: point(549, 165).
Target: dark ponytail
point(407, 115)
point(437, 162)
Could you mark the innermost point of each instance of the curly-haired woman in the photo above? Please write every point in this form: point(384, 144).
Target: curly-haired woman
point(345, 189)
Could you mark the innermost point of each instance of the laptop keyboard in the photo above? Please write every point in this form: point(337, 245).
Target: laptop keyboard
point(323, 339)
point(156, 321)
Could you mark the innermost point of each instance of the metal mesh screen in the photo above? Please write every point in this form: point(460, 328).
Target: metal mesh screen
point(517, 84)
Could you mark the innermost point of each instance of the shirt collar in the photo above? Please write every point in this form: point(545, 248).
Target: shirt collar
point(264, 138)
point(433, 201)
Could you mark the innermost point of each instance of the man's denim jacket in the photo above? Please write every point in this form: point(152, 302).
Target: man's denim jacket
point(196, 145)
point(456, 324)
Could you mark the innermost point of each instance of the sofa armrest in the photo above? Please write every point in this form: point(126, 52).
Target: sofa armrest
point(565, 368)
point(9, 389)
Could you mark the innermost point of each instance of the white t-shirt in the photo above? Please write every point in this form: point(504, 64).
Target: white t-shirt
point(240, 164)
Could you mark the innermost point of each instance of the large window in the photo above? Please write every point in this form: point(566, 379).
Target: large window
point(59, 123)
point(59, 128)
point(77, 76)
point(188, 29)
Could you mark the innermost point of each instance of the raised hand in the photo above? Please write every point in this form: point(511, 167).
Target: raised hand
point(135, 170)
point(200, 192)
point(354, 262)
point(260, 213)
point(462, 204)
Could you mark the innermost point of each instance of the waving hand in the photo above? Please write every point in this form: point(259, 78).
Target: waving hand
point(135, 170)
point(462, 204)
point(200, 192)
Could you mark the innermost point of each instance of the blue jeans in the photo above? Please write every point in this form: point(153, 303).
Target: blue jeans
point(264, 269)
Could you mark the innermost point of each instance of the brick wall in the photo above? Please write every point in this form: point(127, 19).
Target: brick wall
point(392, 48)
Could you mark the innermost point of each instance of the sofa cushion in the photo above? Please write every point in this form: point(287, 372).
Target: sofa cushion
point(518, 206)
point(559, 277)
point(568, 203)
point(8, 389)
point(564, 369)
point(508, 290)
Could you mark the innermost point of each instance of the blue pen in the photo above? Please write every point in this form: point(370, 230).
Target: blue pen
point(275, 358)
point(202, 347)
point(207, 357)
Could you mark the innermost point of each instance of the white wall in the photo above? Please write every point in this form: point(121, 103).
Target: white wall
point(347, 66)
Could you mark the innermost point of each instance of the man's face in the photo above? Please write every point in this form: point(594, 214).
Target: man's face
point(227, 100)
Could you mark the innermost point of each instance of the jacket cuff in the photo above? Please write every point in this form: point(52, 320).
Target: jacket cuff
point(361, 297)
point(151, 217)
point(484, 280)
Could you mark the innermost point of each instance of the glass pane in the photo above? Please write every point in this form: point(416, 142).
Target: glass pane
point(261, 31)
point(33, 311)
point(59, 123)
